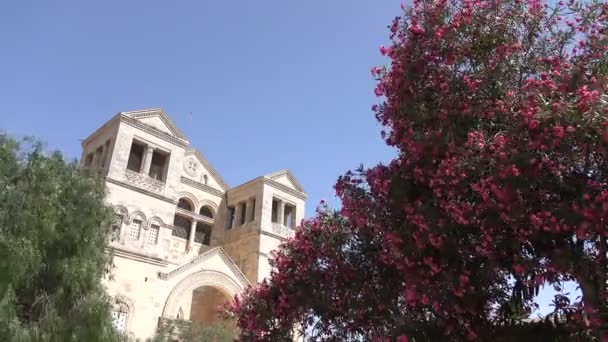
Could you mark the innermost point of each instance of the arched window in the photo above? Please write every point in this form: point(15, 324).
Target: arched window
point(181, 227)
point(120, 314)
point(206, 211)
point(185, 204)
point(205, 179)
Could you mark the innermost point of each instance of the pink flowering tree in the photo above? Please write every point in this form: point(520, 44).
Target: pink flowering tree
point(499, 111)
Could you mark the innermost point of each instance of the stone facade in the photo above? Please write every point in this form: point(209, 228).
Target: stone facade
point(182, 241)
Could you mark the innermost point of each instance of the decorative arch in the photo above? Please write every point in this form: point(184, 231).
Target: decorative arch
point(208, 203)
point(207, 211)
point(120, 301)
point(154, 220)
point(137, 214)
point(220, 280)
point(121, 210)
point(190, 197)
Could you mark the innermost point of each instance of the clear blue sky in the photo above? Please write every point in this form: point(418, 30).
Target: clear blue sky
point(271, 84)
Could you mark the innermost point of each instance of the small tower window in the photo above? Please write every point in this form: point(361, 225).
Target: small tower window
point(88, 160)
point(243, 212)
point(275, 210)
point(135, 156)
point(289, 217)
point(230, 219)
point(158, 165)
point(106, 149)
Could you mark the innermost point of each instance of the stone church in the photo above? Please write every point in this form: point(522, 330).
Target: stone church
point(183, 242)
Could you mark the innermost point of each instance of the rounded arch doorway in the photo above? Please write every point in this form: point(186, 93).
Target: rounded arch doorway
point(201, 290)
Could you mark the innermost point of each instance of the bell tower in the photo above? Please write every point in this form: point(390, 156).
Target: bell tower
point(261, 214)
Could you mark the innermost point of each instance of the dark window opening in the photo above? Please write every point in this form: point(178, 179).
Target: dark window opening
point(289, 218)
point(181, 227)
point(185, 204)
point(206, 211)
point(88, 160)
point(116, 226)
point(243, 212)
point(275, 211)
point(135, 157)
point(106, 149)
point(158, 166)
point(203, 233)
point(98, 153)
point(230, 219)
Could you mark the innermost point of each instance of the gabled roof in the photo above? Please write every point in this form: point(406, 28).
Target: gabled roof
point(205, 256)
point(286, 174)
point(141, 115)
point(196, 153)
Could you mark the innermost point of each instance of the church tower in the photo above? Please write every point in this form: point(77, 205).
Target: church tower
point(183, 242)
point(260, 214)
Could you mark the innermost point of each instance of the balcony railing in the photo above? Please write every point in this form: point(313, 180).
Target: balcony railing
point(144, 181)
point(281, 230)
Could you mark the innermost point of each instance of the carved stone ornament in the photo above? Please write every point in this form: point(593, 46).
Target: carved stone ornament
point(191, 167)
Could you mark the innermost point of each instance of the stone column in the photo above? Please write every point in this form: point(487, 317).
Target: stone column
point(237, 216)
point(94, 161)
point(147, 160)
point(250, 210)
point(281, 212)
point(192, 233)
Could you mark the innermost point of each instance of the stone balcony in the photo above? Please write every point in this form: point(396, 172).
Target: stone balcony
point(144, 181)
point(282, 230)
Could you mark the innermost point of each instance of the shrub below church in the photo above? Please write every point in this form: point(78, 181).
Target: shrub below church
point(53, 230)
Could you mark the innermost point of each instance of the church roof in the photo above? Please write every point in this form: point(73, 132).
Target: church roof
point(163, 122)
point(289, 176)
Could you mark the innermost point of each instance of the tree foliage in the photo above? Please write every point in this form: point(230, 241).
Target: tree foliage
point(53, 230)
point(499, 112)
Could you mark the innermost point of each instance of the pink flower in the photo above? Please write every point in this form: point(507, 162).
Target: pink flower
point(519, 269)
point(415, 29)
point(558, 131)
point(533, 124)
point(383, 50)
point(403, 338)
point(379, 91)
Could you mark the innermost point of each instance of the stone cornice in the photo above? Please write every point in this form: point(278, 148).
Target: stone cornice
point(142, 191)
point(254, 232)
point(98, 131)
point(136, 256)
point(289, 176)
point(157, 112)
point(153, 131)
point(201, 186)
point(205, 256)
point(208, 166)
point(285, 188)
